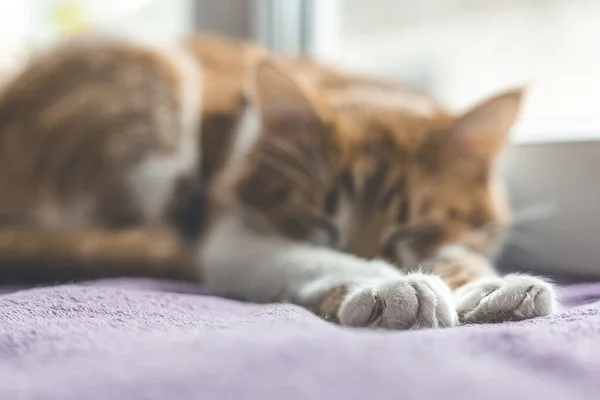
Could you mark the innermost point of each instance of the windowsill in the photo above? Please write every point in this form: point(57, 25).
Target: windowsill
point(551, 174)
point(526, 133)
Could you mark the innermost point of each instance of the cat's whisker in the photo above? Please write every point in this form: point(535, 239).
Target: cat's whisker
point(284, 169)
point(522, 241)
point(287, 148)
point(519, 240)
point(301, 159)
point(523, 256)
point(258, 218)
point(534, 213)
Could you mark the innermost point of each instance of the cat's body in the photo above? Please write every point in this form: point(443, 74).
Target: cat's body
point(101, 155)
point(322, 189)
point(98, 135)
point(338, 186)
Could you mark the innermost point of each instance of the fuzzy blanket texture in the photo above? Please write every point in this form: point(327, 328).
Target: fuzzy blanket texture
point(145, 339)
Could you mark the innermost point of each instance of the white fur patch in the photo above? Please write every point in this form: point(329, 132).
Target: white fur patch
point(343, 220)
point(452, 252)
point(237, 260)
point(407, 257)
point(321, 237)
point(245, 136)
point(412, 301)
point(259, 268)
point(155, 178)
point(514, 297)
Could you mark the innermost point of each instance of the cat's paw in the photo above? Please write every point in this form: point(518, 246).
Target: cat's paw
point(512, 298)
point(410, 302)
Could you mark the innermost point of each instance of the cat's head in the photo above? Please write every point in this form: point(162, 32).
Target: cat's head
point(372, 169)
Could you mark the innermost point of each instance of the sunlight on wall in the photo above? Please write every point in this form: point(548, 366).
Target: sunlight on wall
point(463, 50)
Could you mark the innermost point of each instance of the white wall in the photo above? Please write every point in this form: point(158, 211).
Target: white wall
point(562, 180)
point(463, 50)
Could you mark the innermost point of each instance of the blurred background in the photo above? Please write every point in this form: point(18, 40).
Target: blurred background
point(458, 50)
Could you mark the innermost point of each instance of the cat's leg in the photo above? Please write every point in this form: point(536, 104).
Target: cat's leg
point(237, 260)
point(482, 296)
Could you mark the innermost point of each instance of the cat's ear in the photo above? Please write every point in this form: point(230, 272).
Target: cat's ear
point(482, 132)
point(284, 96)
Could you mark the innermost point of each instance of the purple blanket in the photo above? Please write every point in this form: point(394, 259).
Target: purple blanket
point(140, 339)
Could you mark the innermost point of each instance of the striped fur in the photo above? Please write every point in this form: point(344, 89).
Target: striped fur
point(276, 180)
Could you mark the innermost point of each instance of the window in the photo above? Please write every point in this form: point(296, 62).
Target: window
point(464, 50)
point(29, 25)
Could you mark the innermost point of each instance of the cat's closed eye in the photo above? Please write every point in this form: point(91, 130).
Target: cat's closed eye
point(394, 243)
point(331, 202)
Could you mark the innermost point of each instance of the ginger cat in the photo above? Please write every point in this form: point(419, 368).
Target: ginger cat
point(366, 202)
point(313, 187)
point(100, 155)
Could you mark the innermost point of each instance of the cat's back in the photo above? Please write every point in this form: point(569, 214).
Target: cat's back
point(85, 126)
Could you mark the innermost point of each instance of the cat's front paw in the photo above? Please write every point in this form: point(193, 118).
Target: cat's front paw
point(512, 298)
point(409, 302)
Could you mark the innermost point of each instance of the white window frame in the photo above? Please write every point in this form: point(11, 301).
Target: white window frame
point(289, 26)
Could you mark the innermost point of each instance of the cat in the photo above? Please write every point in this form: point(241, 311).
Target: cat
point(321, 188)
point(100, 155)
point(366, 202)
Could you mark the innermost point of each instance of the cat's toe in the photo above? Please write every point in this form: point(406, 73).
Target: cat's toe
point(413, 301)
point(512, 298)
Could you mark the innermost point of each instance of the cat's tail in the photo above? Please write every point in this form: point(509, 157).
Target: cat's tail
point(33, 257)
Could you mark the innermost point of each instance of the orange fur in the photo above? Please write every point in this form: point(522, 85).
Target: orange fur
point(98, 245)
point(414, 173)
point(29, 256)
point(402, 170)
point(77, 127)
point(411, 174)
point(73, 123)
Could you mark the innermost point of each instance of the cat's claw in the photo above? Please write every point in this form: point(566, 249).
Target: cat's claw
point(512, 298)
point(413, 301)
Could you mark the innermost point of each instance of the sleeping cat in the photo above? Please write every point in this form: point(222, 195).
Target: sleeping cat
point(328, 192)
point(100, 155)
point(365, 202)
